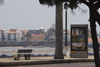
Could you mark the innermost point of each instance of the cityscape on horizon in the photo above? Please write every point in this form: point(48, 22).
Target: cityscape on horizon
point(18, 35)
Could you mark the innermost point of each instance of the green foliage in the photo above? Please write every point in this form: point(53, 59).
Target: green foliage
point(28, 36)
point(73, 4)
point(48, 2)
point(22, 38)
point(9, 37)
point(51, 2)
point(3, 37)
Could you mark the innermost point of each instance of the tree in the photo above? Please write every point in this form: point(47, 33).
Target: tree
point(3, 36)
point(93, 6)
point(28, 36)
point(15, 37)
point(23, 38)
point(9, 37)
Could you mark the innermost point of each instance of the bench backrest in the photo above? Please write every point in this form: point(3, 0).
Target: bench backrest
point(24, 50)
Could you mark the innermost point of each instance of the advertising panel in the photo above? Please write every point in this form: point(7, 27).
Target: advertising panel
point(78, 39)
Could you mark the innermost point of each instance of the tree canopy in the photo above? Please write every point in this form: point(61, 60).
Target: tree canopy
point(73, 4)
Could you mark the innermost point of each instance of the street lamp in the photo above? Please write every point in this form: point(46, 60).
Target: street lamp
point(66, 8)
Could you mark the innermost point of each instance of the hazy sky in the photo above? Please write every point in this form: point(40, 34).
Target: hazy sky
point(30, 14)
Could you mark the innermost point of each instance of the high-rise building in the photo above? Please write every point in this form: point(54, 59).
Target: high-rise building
point(18, 35)
point(6, 33)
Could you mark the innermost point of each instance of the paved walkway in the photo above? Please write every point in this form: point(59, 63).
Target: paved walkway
point(42, 60)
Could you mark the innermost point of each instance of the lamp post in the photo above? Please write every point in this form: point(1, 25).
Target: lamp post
point(66, 8)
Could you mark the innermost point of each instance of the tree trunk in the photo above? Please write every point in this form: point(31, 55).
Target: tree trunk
point(59, 31)
point(94, 37)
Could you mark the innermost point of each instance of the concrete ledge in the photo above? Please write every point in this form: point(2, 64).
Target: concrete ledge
point(38, 62)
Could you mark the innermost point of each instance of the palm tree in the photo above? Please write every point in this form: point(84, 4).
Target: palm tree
point(59, 26)
point(23, 38)
point(3, 36)
point(9, 37)
point(28, 36)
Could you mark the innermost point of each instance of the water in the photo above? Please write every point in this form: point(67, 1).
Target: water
point(16, 48)
point(37, 51)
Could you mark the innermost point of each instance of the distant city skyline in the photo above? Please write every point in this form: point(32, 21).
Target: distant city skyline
point(30, 14)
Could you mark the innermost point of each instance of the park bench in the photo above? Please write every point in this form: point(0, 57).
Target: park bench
point(25, 52)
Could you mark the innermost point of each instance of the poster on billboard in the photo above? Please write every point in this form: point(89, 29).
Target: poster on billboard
point(78, 38)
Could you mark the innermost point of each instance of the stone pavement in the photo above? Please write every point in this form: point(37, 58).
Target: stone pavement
point(42, 60)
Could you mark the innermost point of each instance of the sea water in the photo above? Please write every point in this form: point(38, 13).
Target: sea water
point(36, 51)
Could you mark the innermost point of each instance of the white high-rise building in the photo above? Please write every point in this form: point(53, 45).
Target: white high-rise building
point(18, 35)
point(15, 35)
point(6, 32)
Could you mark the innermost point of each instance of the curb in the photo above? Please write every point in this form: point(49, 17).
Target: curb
point(44, 62)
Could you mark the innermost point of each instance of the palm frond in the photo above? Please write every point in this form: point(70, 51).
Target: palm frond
point(47, 2)
point(51, 2)
point(1, 2)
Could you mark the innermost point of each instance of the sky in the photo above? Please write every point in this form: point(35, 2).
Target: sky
point(31, 15)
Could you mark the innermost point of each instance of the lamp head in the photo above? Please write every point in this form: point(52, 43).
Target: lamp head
point(65, 6)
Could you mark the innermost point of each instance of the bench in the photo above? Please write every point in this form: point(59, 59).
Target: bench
point(25, 52)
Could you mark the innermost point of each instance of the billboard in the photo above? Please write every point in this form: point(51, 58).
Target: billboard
point(78, 38)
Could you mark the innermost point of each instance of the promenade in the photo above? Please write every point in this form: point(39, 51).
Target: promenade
point(42, 60)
